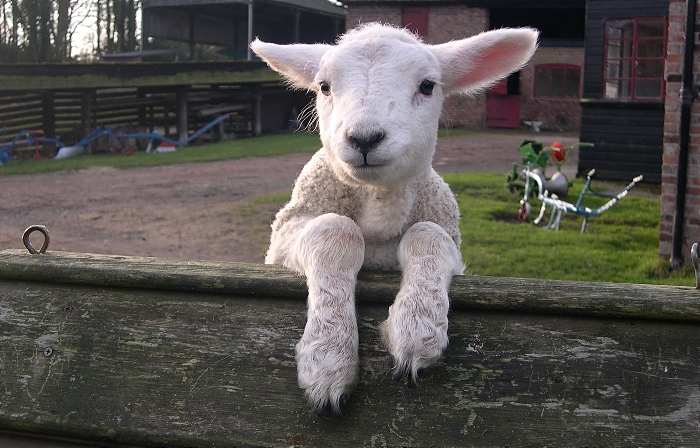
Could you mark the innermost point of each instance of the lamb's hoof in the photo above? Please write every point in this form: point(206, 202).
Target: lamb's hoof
point(336, 409)
point(405, 370)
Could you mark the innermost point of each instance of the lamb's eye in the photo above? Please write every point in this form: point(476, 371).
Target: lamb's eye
point(426, 87)
point(325, 88)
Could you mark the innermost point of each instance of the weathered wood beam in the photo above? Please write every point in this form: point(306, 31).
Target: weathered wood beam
point(116, 366)
point(466, 292)
point(39, 77)
point(48, 117)
point(181, 100)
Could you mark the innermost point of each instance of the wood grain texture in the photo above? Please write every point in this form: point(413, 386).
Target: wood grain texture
point(466, 292)
point(206, 367)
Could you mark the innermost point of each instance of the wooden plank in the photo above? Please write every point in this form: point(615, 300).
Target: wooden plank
point(250, 280)
point(622, 154)
point(627, 8)
point(28, 77)
point(143, 367)
point(628, 139)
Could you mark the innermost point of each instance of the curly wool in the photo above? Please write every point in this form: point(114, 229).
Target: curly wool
point(383, 215)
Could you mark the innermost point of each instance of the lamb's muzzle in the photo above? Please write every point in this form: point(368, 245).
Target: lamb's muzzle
point(365, 142)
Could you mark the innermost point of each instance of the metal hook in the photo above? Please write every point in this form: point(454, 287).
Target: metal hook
point(28, 244)
point(696, 264)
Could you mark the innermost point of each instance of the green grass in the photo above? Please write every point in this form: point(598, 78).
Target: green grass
point(255, 216)
point(621, 245)
point(266, 146)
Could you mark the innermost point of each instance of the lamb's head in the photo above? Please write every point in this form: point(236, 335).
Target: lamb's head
point(380, 92)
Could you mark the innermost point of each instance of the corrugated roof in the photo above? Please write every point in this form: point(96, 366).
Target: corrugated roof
point(320, 6)
point(485, 3)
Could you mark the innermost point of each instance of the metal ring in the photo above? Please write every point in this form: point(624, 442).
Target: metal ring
point(28, 244)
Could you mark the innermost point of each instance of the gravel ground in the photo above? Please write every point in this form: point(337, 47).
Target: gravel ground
point(196, 211)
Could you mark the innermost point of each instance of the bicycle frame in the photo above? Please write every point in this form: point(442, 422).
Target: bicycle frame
point(560, 207)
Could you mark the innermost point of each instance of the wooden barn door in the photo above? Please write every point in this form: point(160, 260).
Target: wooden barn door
point(503, 103)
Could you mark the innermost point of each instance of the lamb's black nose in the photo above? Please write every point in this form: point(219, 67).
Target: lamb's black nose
point(365, 142)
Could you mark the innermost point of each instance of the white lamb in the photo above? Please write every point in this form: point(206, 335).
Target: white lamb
point(370, 198)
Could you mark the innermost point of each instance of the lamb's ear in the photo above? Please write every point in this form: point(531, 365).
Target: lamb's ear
point(297, 62)
point(479, 61)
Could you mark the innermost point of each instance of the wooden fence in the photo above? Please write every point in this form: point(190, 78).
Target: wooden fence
point(125, 351)
point(67, 101)
point(70, 115)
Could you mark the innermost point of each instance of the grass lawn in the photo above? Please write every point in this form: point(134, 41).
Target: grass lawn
point(621, 245)
point(266, 146)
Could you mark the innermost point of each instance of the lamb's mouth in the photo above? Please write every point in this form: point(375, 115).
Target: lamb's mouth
point(367, 167)
point(365, 164)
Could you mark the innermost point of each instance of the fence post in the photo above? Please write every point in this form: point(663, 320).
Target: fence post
point(86, 121)
point(257, 111)
point(181, 99)
point(48, 118)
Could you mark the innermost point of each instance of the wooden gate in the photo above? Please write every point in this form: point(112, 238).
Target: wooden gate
point(503, 104)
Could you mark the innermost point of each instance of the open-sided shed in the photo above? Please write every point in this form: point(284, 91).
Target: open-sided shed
point(233, 24)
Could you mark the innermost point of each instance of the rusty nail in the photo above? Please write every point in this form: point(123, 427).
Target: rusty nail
point(28, 244)
point(48, 351)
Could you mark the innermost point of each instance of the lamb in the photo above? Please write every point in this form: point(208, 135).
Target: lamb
point(369, 197)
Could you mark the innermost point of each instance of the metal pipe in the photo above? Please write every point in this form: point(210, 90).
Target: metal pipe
point(250, 29)
point(687, 98)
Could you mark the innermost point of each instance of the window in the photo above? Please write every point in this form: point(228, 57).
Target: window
point(634, 58)
point(557, 81)
point(415, 19)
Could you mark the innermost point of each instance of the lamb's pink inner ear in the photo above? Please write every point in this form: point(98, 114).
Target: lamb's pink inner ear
point(491, 61)
point(477, 62)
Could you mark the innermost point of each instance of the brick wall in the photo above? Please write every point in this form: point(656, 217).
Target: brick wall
point(445, 23)
point(564, 114)
point(359, 13)
point(451, 22)
point(674, 68)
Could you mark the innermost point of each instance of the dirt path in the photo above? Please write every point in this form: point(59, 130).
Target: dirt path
point(195, 211)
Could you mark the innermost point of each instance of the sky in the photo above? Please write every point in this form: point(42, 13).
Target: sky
point(83, 41)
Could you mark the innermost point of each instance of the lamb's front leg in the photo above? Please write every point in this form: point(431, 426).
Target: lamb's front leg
point(329, 250)
point(416, 331)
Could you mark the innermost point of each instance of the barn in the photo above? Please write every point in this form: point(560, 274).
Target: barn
point(546, 91)
point(624, 88)
point(232, 24)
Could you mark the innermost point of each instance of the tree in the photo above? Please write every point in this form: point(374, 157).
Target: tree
point(43, 30)
point(62, 40)
point(118, 20)
point(9, 31)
